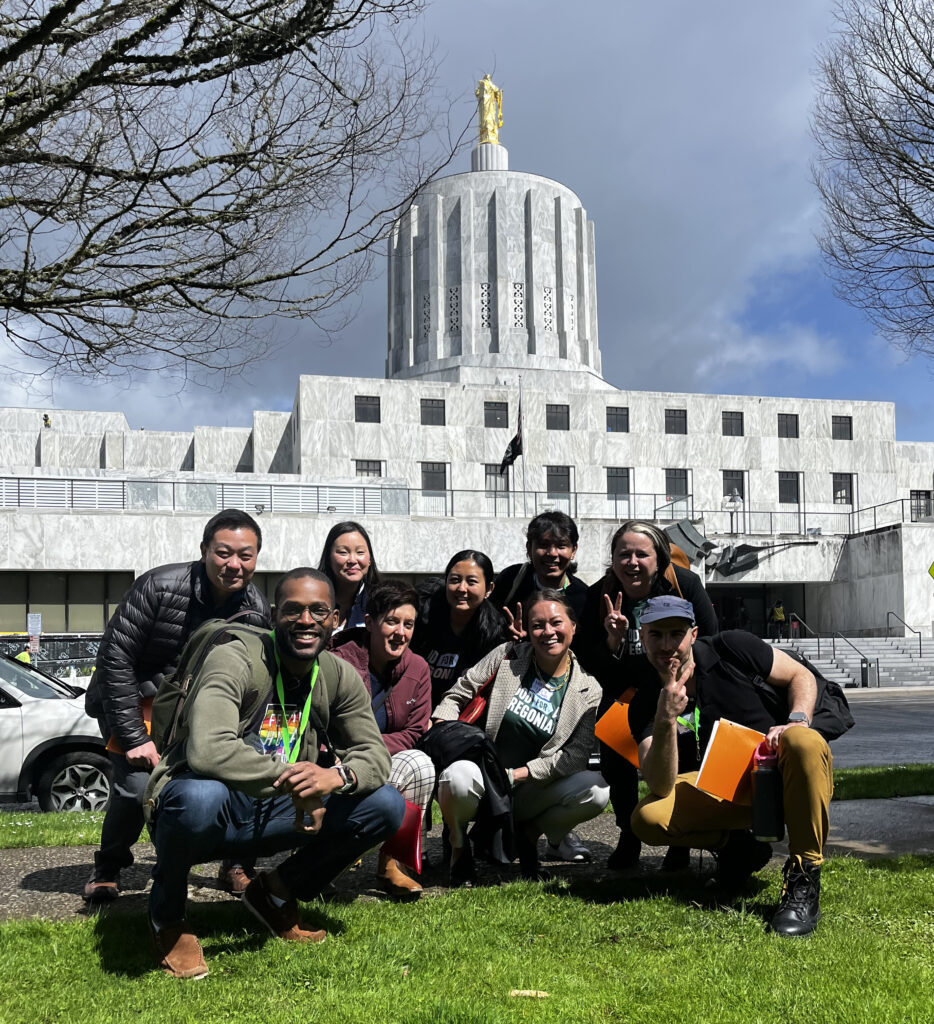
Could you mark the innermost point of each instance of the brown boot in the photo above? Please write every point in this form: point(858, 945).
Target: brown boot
point(392, 879)
point(178, 951)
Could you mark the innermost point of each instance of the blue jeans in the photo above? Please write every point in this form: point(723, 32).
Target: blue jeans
point(198, 820)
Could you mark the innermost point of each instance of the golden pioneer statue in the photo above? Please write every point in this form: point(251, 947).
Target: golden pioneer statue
point(490, 102)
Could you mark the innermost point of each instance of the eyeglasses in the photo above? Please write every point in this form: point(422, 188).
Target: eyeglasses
point(319, 612)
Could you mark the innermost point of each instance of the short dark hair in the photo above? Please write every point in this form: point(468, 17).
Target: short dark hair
point(388, 595)
point(232, 519)
point(372, 577)
point(301, 573)
point(537, 596)
point(559, 524)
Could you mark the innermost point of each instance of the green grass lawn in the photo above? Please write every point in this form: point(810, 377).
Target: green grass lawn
point(631, 950)
point(28, 828)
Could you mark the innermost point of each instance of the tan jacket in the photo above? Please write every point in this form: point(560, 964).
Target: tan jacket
point(569, 749)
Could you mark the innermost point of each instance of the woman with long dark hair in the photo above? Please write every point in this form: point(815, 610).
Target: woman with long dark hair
point(640, 567)
point(457, 623)
point(347, 560)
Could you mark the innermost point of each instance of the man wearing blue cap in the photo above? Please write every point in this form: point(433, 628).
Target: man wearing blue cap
point(691, 683)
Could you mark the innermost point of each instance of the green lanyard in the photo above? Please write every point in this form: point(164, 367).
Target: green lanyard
point(290, 749)
point(693, 726)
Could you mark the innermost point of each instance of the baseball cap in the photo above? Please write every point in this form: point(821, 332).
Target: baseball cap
point(667, 607)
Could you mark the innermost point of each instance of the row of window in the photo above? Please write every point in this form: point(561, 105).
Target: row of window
point(618, 481)
point(558, 417)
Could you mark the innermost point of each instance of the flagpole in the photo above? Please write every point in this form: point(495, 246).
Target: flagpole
point(524, 509)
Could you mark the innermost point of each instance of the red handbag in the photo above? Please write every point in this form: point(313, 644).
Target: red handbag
point(476, 706)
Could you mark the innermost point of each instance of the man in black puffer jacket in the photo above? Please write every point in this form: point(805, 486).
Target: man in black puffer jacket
point(141, 645)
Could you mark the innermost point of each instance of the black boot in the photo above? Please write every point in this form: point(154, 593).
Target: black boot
point(740, 856)
point(626, 855)
point(799, 908)
point(529, 865)
point(463, 873)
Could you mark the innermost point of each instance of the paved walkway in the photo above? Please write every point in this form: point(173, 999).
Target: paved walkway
point(46, 881)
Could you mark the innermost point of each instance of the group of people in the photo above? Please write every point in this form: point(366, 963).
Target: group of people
point(319, 726)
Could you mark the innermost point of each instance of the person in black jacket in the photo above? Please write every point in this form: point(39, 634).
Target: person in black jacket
point(141, 645)
point(608, 644)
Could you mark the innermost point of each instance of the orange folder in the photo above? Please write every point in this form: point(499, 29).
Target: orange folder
point(613, 729)
point(727, 765)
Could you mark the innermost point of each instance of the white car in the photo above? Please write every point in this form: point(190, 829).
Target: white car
point(50, 748)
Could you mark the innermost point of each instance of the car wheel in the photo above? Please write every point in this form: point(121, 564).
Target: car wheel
point(79, 781)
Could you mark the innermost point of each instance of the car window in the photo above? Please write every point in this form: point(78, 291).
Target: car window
point(31, 683)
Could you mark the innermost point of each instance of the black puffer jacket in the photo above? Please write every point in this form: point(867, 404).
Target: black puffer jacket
point(145, 637)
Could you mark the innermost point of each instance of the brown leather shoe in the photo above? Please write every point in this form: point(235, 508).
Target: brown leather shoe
point(101, 890)
point(393, 880)
point(283, 921)
point(233, 878)
point(179, 951)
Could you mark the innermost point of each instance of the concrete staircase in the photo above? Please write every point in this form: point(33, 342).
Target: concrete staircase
point(899, 660)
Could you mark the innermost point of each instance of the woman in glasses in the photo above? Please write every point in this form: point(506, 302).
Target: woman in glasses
point(399, 685)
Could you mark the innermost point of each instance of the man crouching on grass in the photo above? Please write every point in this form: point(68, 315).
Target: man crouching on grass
point(242, 766)
point(691, 683)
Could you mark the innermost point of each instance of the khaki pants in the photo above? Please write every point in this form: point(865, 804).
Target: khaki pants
point(690, 817)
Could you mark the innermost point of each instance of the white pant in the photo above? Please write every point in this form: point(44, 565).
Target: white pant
point(554, 808)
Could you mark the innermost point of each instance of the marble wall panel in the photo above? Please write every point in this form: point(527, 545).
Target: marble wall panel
point(223, 450)
point(272, 442)
point(156, 450)
point(18, 450)
point(918, 587)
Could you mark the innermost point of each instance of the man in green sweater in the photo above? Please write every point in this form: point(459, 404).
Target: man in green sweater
point(240, 777)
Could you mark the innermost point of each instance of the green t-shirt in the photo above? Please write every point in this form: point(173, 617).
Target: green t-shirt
point(531, 718)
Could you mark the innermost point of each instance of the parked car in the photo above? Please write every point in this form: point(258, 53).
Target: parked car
point(50, 749)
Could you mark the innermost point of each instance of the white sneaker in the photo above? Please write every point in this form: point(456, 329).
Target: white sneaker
point(571, 849)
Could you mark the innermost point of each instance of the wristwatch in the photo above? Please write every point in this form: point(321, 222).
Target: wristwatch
point(348, 777)
point(799, 717)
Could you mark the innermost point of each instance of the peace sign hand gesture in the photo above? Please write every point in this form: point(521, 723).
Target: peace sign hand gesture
point(515, 622)
point(616, 624)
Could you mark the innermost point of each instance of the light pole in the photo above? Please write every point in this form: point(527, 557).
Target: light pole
point(732, 503)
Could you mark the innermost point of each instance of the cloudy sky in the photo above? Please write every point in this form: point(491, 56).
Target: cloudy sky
point(684, 130)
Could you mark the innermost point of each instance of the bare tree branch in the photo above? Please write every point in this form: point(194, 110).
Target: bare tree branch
point(173, 172)
point(874, 124)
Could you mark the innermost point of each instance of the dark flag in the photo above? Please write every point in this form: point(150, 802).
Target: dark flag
point(514, 448)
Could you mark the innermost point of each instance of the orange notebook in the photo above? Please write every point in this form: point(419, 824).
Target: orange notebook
point(146, 707)
point(727, 765)
point(613, 729)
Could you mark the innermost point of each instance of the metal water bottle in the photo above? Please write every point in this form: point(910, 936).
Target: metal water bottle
point(768, 817)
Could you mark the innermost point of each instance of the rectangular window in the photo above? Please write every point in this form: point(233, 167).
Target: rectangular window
point(496, 414)
point(558, 481)
point(369, 467)
point(676, 421)
point(843, 488)
point(494, 481)
point(558, 417)
point(366, 408)
point(841, 428)
point(788, 488)
point(922, 505)
point(732, 424)
point(676, 483)
point(617, 419)
point(734, 480)
point(617, 481)
point(434, 477)
point(787, 424)
point(432, 412)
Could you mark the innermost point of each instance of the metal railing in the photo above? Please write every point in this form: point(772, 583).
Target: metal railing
point(795, 617)
point(888, 616)
point(366, 500)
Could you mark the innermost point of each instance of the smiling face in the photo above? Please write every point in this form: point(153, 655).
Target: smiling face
point(550, 558)
point(390, 635)
point(668, 643)
point(229, 561)
point(350, 560)
point(466, 588)
point(304, 620)
point(635, 564)
point(550, 632)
